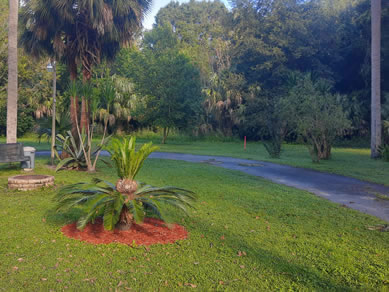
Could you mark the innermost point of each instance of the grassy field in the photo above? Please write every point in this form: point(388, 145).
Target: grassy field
point(353, 162)
point(245, 234)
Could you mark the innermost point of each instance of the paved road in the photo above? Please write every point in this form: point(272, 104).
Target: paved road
point(347, 191)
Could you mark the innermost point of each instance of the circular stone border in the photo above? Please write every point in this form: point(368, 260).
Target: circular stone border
point(29, 182)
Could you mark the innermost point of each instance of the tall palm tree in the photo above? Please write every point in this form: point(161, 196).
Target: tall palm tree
point(12, 101)
point(80, 32)
point(375, 77)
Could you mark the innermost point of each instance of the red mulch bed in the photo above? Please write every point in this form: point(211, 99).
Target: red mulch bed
point(152, 231)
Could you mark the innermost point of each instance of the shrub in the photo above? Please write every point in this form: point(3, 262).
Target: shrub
point(128, 201)
point(264, 117)
point(25, 120)
point(318, 114)
point(384, 152)
point(62, 125)
point(73, 151)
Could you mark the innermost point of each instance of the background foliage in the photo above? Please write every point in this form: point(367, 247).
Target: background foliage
point(225, 71)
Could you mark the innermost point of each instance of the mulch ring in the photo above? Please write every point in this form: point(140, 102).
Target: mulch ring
point(152, 231)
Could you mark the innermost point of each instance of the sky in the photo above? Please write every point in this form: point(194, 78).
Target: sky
point(157, 4)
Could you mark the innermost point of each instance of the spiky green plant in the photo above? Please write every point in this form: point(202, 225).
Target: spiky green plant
point(127, 202)
point(127, 160)
point(75, 158)
point(75, 150)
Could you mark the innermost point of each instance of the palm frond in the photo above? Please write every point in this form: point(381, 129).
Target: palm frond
point(127, 160)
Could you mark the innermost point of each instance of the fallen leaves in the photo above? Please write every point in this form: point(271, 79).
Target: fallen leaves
point(190, 285)
point(241, 253)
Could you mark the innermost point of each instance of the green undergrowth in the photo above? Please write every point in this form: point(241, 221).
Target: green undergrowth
point(246, 233)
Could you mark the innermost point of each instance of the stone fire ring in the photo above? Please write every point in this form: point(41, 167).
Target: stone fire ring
point(29, 182)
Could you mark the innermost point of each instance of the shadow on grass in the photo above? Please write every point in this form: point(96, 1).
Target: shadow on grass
point(10, 166)
point(297, 274)
point(54, 218)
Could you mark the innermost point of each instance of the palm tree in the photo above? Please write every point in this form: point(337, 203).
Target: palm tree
point(12, 101)
point(128, 201)
point(375, 77)
point(80, 33)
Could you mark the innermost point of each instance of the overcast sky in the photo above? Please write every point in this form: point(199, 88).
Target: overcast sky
point(157, 4)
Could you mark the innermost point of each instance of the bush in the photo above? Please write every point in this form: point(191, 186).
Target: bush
point(384, 152)
point(318, 114)
point(128, 201)
point(25, 120)
point(264, 117)
point(384, 149)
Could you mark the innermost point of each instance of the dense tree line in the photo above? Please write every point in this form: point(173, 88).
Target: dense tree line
point(206, 69)
point(249, 53)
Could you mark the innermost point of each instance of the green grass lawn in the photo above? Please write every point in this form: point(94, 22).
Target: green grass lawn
point(286, 239)
point(353, 162)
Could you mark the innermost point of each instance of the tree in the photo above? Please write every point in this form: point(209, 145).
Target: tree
point(265, 116)
point(317, 113)
point(80, 33)
point(3, 50)
point(166, 79)
point(12, 101)
point(375, 77)
point(205, 39)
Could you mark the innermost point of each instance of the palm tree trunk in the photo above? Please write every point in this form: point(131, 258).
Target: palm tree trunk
point(73, 114)
point(126, 219)
point(84, 120)
point(375, 77)
point(84, 116)
point(12, 101)
point(73, 99)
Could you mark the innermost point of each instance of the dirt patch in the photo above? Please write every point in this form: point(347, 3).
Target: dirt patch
point(152, 231)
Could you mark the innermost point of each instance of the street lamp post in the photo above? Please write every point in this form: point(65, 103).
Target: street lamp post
point(51, 67)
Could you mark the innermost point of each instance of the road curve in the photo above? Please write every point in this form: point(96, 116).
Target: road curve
point(351, 192)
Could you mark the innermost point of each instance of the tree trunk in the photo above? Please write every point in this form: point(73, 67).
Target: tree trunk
point(12, 100)
point(375, 77)
point(73, 115)
point(84, 116)
point(84, 120)
point(126, 219)
point(165, 134)
point(73, 100)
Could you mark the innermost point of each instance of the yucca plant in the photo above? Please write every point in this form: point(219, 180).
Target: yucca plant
point(75, 150)
point(128, 201)
point(75, 157)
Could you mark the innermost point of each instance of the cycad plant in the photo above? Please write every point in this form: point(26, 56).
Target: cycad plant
point(128, 201)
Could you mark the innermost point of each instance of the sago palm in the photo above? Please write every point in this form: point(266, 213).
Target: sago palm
point(128, 201)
